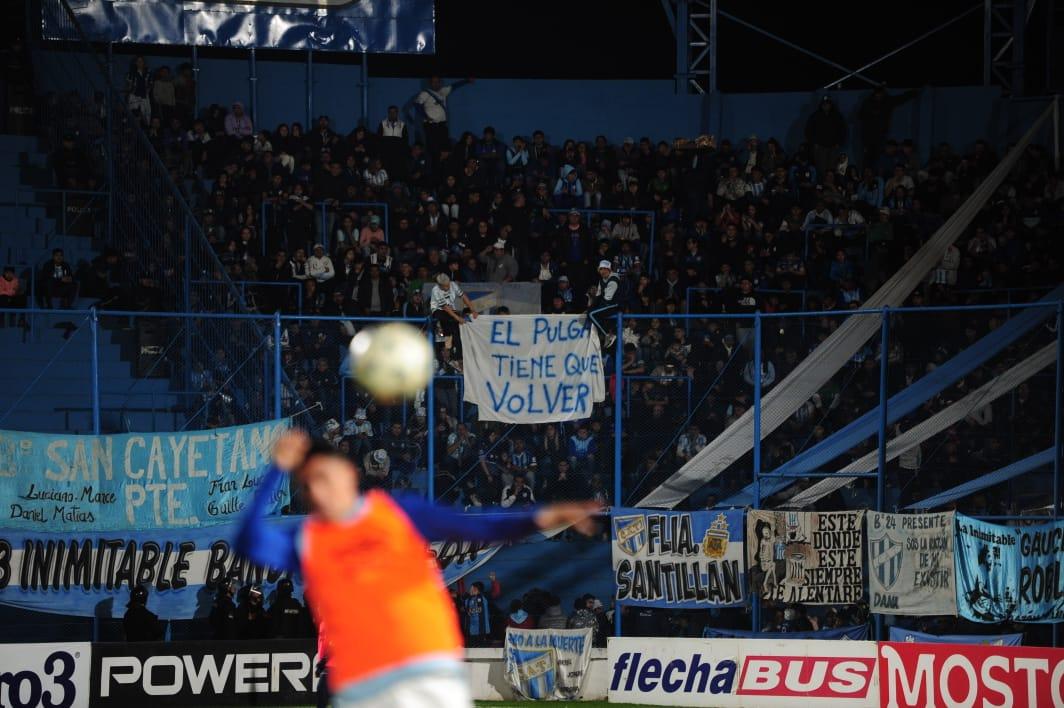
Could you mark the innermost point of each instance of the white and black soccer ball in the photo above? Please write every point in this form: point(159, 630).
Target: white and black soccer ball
point(391, 361)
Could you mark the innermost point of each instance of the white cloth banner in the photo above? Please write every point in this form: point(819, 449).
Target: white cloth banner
point(910, 559)
point(811, 557)
point(548, 664)
point(532, 368)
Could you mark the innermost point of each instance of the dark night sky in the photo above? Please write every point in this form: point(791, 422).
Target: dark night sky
point(610, 39)
point(627, 39)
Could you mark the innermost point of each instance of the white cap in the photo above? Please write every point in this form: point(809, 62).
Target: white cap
point(379, 456)
point(605, 264)
point(500, 244)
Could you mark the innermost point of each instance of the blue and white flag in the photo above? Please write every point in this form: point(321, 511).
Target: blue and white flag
point(548, 664)
point(88, 575)
point(138, 481)
point(910, 564)
point(532, 368)
point(1010, 573)
point(897, 634)
point(678, 559)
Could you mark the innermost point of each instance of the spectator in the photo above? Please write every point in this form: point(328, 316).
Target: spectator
point(519, 618)
point(445, 296)
point(874, 116)
point(139, 623)
point(57, 281)
point(375, 297)
point(164, 95)
point(477, 614)
point(11, 296)
point(582, 449)
point(500, 266)
point(394, 143)
point(826, 132)
point(583, 616)
point(690, 444)
point(517, 494)
point(377, 467)
point(139, 89)
point(553, 617)
point(433, 104)
point(237, 123)
point(319, 266)
point(70, 164)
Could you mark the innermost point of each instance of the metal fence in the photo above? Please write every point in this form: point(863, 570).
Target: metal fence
point(682, 381)
point(149, 219)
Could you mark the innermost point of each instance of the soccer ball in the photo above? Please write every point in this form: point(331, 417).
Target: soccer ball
point(391, 361)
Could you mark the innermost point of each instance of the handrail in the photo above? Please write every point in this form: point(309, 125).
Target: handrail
point(627, 316)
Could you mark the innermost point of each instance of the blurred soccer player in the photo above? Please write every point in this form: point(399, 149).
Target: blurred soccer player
point(394, 639)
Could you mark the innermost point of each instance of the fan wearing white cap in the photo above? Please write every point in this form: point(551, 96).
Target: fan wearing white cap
point(605, 302)
point(499, 264)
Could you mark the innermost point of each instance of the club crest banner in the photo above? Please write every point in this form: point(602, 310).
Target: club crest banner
point(1007, 573)
point(809, 557)
point(689, 559)
point(532, 368)
point(910, 564)
point(132, 482)
point(90, 574)
point(548, 664)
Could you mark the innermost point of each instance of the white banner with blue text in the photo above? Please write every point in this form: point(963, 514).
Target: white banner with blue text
point(548, 664)
point(532, 368)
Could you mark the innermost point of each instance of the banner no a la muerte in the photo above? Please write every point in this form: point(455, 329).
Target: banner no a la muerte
point(809, 557)
point(532, 368)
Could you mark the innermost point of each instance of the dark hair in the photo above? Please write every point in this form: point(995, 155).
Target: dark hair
point(324, 448)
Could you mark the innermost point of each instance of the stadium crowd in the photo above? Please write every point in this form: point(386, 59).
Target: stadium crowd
point(702, 226)
point(315, 221)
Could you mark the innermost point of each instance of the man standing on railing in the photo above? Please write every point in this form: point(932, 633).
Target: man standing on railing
point(433, 104)
point(443, 307)
point(605, 301)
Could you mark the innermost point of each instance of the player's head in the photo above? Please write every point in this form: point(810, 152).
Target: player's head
point(330, 480)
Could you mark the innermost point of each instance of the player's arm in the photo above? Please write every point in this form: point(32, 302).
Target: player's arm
point(262, 542)
point(439, 522)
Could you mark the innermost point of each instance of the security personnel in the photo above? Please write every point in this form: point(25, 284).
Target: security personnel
point(605, 301)
point(252, 620)
point(288, 615)
point(140, 623)
point(223, 613)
